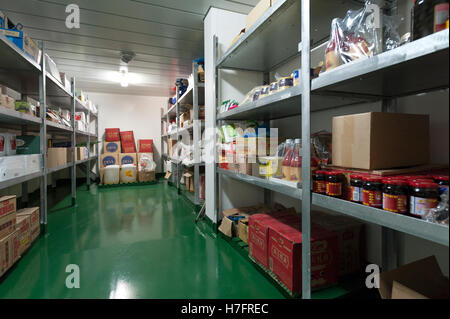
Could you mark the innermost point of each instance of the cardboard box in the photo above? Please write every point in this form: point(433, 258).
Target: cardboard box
point(23, 226)
point(109, 159)
point(379, 140)
point(146, 146)
point(257, 12)
point(7, 224)
point(258, 146)
point(285, 255)
point(351, 240)
point(127, 140)
point(144, 176)
point(243, 230)
point(56, 156)
point(33, 213)
point(111, 147)
point(7, 101)
point(7, 205)
point(9, 251)
point(127, 158)
point(422, 279)
point(171, 145)
point(112, 135)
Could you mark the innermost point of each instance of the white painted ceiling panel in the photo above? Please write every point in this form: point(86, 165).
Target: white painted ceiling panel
point(165, 35)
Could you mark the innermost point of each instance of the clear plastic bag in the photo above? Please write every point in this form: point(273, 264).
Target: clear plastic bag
point(440, 213)
point(146, 163)
point(362, 33)
point(321, 147)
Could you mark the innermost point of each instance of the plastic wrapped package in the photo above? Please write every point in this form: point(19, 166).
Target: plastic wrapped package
point(12, 167)
point(111, 175)
point(146, 162)
point(440, 213)
point(321, 147)
point(285, 83)
point(360, 35)
point(251, 96)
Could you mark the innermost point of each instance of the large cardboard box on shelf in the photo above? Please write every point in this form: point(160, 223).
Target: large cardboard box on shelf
point(7, 224)
point(422, 279)
point(109, 159)
point(258, 146)
point(257, 12)
point(7, 205)
point(171, 145)
point(379, 140)
point(56, 156)
point(285, 255)
point(7, 101)
point(111, 147)
point(35, 226)
point(23, 226)
point(127, 158)
point(9, 251)
point(351, 239)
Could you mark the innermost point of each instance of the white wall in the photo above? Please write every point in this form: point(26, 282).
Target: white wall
point(140, 114)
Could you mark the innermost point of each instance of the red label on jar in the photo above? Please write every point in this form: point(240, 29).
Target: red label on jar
point(319, 187)
point(395, 203)
point(13, 144)
point(2, 143)
point(373, 198)
point(334, 189)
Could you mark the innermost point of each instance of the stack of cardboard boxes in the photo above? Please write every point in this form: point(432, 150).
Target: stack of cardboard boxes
point(119, 149)
point(18, 229)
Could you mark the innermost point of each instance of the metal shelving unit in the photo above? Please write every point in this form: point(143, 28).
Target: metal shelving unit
point(22, 74)
point(407, 70)
point(195, 96)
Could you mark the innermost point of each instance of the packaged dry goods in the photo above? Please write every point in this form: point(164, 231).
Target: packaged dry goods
point(145, 146)
point(285, 83)
point(429, 16)
point(439, 214)
point(360, 35)
point(9, 145)
point(128, 174)
point(111, 175)
point(145, 162)
point(112, 134)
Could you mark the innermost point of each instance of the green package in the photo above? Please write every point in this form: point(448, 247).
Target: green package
point(27, 144)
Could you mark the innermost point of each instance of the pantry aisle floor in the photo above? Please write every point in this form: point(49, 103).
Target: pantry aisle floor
point(133, 242)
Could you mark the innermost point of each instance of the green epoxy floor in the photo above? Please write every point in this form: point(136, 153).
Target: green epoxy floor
point(133, 242)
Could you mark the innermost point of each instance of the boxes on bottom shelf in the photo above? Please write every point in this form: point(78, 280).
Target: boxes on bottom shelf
point(422, 279)
point(33, 214)
point(23, 226)
point(7, 205)
point(7, 224)
point(243, 230)
point(285, 255)
point(9, 251)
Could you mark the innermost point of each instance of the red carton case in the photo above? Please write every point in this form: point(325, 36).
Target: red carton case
point(112, 134)
point(285, 256)
point(145, 146)
point(7, 205)
point(127, 141)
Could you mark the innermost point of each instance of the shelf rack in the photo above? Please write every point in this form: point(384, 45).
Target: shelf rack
point(22, 74)
point(195, 96)
point(416, 67)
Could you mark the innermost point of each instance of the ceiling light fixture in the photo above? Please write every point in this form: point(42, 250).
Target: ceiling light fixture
point(125, 57)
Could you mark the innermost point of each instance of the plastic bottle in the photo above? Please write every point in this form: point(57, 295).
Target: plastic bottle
point(296, 162)
point(286, 164)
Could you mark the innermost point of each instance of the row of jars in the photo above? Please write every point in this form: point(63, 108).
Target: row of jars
point(413, 195)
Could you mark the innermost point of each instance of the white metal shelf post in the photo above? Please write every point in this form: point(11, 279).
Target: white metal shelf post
point(306, 149)
point(73, 168)
point(43, 140)
point(197, 135)
point(88, 144)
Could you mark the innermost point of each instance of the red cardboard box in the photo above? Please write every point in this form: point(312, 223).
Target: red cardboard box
point(112, 135)
point(9, 251)
point(145, 146)
point(33, 212)
point(7, 224)
point(285, 256)
point(127, 140)
point(258, 234)
point(23, 228)
point(7, 205)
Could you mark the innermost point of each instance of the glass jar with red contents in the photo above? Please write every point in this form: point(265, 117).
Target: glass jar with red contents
point(395, 195)
point(373, 191)
point(442, 181)
point(319, 182)
point(356, 188)
point(334, 183)
point(424, 196)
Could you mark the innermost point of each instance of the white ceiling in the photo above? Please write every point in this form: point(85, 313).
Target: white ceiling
point(165, 35)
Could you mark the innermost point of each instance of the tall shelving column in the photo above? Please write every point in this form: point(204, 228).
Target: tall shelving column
point(73, 168)
point(43, 139)
point(196, 134)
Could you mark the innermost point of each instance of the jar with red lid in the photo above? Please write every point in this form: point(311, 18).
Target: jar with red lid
point(373, 191)
point(424, 196)
point(395, 195)
point(334, 183)
point(442, 181)
point(356, 190)
point(319, 182)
